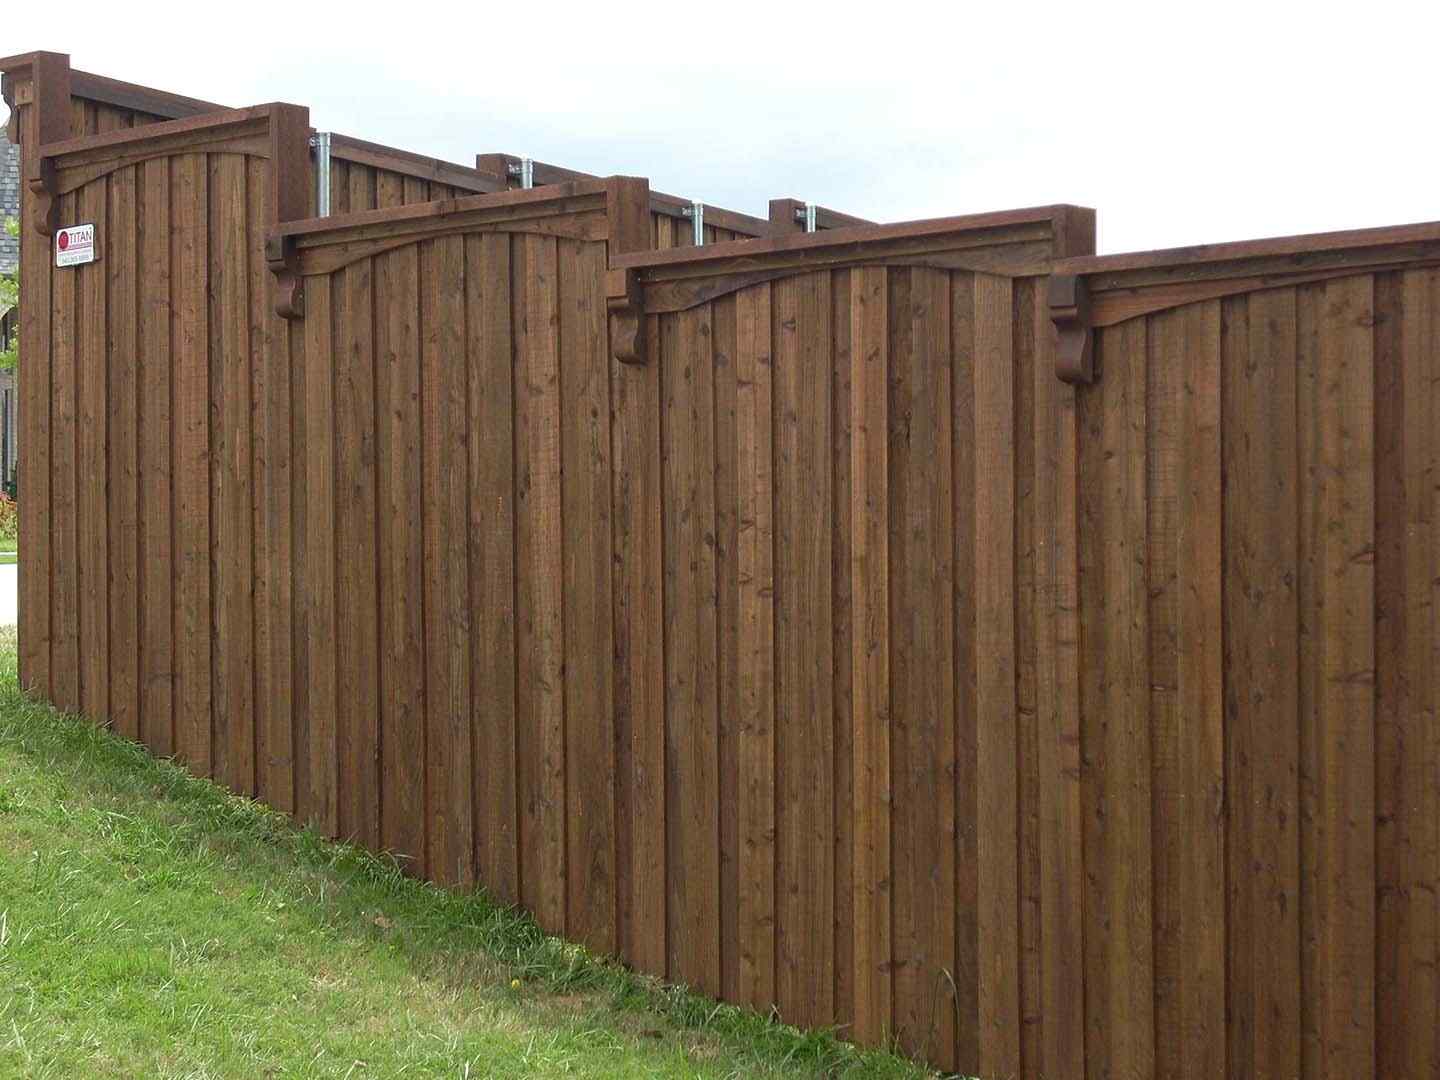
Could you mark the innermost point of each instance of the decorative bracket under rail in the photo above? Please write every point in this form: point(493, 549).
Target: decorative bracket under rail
point(1070, 312)
point(625, 301)
point(284, 263)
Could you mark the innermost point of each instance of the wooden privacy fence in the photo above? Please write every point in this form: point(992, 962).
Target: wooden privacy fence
point(766, 612)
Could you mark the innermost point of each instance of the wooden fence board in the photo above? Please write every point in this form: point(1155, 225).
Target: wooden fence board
point(804, 690)
point(755, 899)
point(357, 650)
point(189, 260)
point(541, 712)
point(156, 430)
point(231, 493)
point(1261, 524)
point(447, 619)
point(691, 651)
point(585, 510)
point(997, 730)
point(870, 667)
point(491, 443)
point(119, 361)
point(401, 586)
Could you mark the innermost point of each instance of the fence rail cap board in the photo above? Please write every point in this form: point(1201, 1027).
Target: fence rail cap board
point(58, 168)
point(546, 174)
point(314, 246)
point(108, 91)
point(1091, 292)
point(1010, 243)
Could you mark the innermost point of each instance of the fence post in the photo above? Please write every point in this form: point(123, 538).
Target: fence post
point(639, 611)
point(289, 201)
point(786, 216)
point(37, 88)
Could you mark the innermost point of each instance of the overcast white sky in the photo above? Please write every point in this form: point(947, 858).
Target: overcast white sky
point(1180, 123)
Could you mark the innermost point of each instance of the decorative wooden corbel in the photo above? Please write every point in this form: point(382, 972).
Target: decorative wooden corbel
point(42, 183)
point(1070, 312)
point(625, 300)
point(289, 285)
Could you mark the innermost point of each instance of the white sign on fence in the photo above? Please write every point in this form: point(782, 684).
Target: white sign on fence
point(75, 245)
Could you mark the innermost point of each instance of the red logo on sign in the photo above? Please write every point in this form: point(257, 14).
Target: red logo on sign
point(64, 241)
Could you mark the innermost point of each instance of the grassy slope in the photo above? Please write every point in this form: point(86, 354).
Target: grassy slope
point(151, 925)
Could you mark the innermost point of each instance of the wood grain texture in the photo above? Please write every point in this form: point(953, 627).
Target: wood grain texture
point(401, 589)
point(804, 691)
point(1062, 882)
point(156, 496)
point(122, 446)
point(189, 261)
point(587, 577)
point(231, 554)
point(1345, 706)
point(91, 384)
point(491, 446)
point(870, 667)
point(443, 405)
point(755, 890)
point(35, 407)
point(1261, 528)
point(997, 733)
point(691, 651)
point(541, 710)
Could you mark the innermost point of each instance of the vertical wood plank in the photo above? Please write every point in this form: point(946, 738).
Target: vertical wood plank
point(1200, 697)
point(272, 492)
point(1025, 297)
point(1345, 892)
point(38, 396)
point(91, 363)
point(541, 711)
point(447, 617)
point(922, 695)
point(1407, 856)
point(321, 805)
point(1119, 967)
point(156, 428)
point(966, 720)
point(492, 561)
point(399, 487)
point(1309, 304)
point(804, 686)
point(1261, 516)
point(585, 511)
point(122, 356)
point(691, 656)
point(1164, 449)
point(997, 732)
point(356, 603)
point(727, 567)
point(1057, 677)
point(191, 469)
point(639, 649)
point(870, 667)
point(842, 652)
point(230, 491)
point(755, 890)
point(64, 553)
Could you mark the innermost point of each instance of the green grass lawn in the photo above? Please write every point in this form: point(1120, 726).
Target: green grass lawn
point(151, 925)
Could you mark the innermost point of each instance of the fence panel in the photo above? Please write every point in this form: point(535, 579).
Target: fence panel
point(1258, 501)
point(851, 455)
